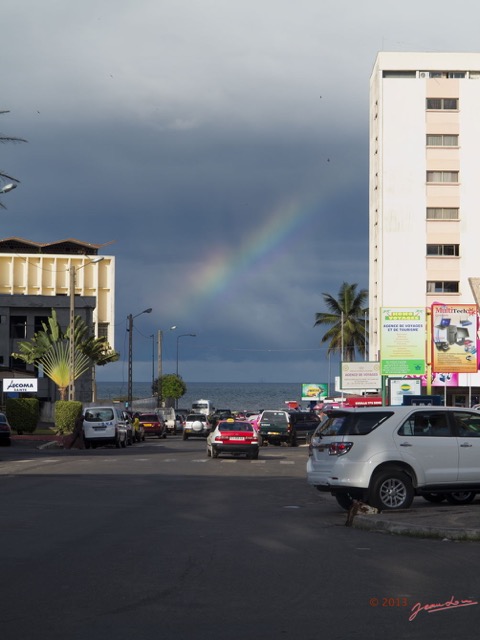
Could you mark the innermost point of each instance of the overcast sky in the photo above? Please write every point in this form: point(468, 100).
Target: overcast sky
point(222, 147)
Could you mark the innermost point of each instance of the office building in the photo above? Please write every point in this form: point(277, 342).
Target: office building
point(424, 218)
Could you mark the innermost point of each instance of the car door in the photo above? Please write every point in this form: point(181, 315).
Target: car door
point(426, 442)
point(467, 426)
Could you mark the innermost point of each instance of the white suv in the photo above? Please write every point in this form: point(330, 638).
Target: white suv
point(387, 455)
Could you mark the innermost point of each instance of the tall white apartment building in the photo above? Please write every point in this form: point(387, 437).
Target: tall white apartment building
point(424, 220)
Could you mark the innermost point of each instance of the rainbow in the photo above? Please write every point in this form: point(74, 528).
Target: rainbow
point(223, 272)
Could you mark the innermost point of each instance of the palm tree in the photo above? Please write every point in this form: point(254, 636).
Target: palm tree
point(50, 348)
point(4, 177)
point(347, 320)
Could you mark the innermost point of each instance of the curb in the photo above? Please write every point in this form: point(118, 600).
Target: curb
point(375, 523)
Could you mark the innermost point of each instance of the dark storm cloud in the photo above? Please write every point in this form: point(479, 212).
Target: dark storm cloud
point(223, 147)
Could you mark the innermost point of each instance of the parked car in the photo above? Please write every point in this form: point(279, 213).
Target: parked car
point(5, 430)
point(386, 455)
point(234, 437)
point(105, 424)
point(179, 422)
point(276, 427)
point(196, 424)
point(168, 415)
point(153, 424)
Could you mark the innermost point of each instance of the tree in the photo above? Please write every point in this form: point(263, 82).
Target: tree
point(172, 386)
point(347, 321)
point(4, 177)
point(50, 349)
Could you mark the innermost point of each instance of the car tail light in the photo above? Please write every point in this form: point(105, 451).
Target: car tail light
point(339, 448)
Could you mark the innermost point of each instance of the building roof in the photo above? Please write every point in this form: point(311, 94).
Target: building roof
point(66, 246)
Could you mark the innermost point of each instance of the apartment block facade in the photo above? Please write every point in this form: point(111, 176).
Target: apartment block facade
point(36, 278)
point(424, 218)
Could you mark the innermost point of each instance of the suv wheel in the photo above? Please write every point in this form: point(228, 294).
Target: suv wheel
point(460, 497)
point(390, 490)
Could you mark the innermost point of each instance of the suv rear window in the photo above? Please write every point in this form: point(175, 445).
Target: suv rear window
point(98, 415)
point(274, 418)
point(352, 424)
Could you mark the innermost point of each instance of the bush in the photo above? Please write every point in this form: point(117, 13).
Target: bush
point(23, 414)
point(66, 412)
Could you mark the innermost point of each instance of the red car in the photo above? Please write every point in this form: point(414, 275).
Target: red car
point(235, 437)
point(153, 424)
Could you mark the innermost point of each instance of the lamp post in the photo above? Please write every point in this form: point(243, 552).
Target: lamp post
point(182, 335)
point(130, 318)
point(71, 364)
point(159, 365)
point(153, 359)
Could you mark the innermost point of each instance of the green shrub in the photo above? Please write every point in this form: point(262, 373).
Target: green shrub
point(66, 412)
point(23, 414)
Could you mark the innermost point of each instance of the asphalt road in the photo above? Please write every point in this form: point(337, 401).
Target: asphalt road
point(160, 542)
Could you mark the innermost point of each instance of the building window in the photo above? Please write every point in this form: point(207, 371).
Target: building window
point(443, 250)
point(442, 176)
point(37, 323)
point(445, 286)
point(103, 329)
point(18, 327)
point(399, 74)
point(441, 140)
point(442, 213)
point(439, 104)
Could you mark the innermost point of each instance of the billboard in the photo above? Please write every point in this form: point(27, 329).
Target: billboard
point(361, 375)
point(403, 341)
point(314, 391)
point(401, 387)
point(454, 338)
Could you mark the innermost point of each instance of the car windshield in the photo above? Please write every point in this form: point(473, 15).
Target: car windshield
point(98, 415)
point(352, 424)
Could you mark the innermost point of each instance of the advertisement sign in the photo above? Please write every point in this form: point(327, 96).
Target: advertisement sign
point(314, 391)
point(454, 338)
point(361, 375)
point(401, 387)
point(403, 340)
point(20, 385)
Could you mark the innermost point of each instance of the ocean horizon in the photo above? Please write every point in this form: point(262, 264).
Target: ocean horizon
point(237, 396)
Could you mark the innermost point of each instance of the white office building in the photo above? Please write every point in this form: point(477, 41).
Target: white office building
point(424, 220)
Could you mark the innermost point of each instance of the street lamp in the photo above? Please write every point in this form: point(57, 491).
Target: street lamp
point(130, 349)
point(8, 187)
point(71, 365)
point(159, 352)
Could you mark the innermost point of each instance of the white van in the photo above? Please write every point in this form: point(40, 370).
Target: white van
point(105, 424)
point(203, 406)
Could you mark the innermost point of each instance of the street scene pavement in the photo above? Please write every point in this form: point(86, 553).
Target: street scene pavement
point(159, 541)
point(423, 519)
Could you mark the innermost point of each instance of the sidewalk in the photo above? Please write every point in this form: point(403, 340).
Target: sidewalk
point(423, 520)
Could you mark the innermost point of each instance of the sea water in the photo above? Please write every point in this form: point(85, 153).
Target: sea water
point(237, 396)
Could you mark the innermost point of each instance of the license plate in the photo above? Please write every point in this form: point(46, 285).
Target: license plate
point(273, 433)
point(237, 438)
